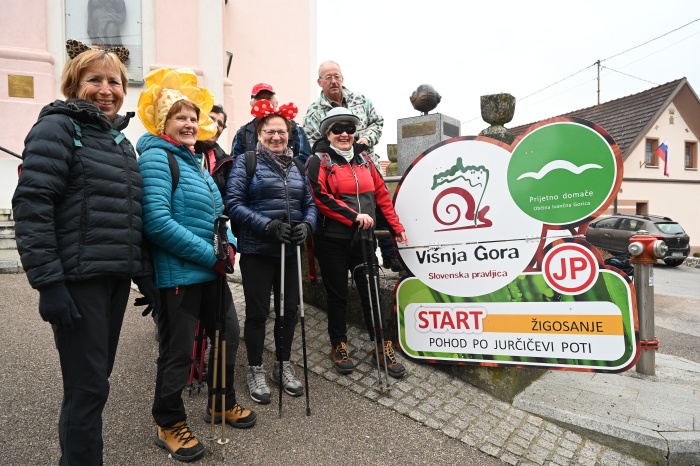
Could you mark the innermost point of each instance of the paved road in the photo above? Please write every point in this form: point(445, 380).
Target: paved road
point(677, 311)
point(344, 428)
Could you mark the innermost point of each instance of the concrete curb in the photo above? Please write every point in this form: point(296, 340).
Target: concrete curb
point(650, 417)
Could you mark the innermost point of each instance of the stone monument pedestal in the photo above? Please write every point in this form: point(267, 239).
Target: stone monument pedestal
point(416, 134)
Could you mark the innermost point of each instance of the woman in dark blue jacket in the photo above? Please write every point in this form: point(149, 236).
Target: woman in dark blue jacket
point(273, 207)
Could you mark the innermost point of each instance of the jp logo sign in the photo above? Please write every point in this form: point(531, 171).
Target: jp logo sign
point(570, 268)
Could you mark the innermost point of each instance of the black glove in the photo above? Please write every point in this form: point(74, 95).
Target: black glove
point(279, 230)
point(57, 307)
point(299, 232)
point(150, 298)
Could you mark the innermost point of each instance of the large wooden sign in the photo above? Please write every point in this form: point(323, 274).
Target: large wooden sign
point(501, 273)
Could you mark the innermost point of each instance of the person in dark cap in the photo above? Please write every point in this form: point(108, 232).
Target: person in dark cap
point(246, 138)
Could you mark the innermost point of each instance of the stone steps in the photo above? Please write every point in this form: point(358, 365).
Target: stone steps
point(7, 232)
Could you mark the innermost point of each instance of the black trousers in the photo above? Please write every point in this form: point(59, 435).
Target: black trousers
point(336, 257)
point(87, 353)
point(261, 274)
point(181, 308)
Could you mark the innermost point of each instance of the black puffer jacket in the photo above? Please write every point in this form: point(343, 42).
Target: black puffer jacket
point(222, 167)
point(77, 205)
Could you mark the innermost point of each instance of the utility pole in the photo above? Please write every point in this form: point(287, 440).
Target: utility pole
point(598, 63)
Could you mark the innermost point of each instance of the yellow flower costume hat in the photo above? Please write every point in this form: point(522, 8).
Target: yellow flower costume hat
point(166, 86)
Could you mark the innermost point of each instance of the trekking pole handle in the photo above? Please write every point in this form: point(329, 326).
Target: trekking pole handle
point(221, 242)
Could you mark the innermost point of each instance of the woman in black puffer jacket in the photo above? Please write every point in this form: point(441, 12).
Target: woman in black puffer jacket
point(77, 210)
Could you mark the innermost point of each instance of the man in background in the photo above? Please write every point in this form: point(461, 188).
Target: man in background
point(369, 131)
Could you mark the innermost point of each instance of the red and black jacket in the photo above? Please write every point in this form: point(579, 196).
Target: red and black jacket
point(343, 189)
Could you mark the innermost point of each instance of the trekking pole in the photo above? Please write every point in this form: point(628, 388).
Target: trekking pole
point(202, 351)
point(375, 278)
point(221, 247)
point(281, 382)
point(190, 384)
point(303, 329)
point(364, 239)
point(214, 384)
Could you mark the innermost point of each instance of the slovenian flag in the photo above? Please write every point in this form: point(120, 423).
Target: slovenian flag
point(662, 153)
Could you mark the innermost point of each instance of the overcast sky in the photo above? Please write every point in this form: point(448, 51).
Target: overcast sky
point(466, 49)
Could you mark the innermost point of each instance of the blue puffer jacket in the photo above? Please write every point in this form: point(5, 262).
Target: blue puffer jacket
point(270, 195)
point(179, 224)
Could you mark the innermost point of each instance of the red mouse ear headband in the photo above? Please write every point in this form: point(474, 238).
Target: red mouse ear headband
point(263, 108)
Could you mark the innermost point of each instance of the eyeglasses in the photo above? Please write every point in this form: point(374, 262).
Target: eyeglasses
point(331, 77)
point(272, 132)
point(340, 129)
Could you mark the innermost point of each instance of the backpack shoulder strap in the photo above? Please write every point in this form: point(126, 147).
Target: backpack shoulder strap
point(78, 133)
point(300, 165)
point(174, 169)
point(327, 165)
point(251, 160)
point(118, 136)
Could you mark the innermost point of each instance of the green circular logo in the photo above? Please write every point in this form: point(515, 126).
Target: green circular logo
point(561, 173)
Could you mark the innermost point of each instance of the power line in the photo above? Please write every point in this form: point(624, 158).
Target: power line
point(660, 50)
point(600, 61)
point(629, 75)
point(554, 84)
point(652, 40)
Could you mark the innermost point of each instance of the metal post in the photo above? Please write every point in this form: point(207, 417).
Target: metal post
point(644, 284)
point(645, 250)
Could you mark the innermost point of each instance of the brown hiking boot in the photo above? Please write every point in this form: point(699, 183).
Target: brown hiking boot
point(341, 358)
point(179, 441)
point(388, 356)
point(238, 416)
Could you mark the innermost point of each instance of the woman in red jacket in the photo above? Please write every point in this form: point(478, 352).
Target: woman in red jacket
point(346, 187)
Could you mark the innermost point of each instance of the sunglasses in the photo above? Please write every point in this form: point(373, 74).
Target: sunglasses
point(340, 129)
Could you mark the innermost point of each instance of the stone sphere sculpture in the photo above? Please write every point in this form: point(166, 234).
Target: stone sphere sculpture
point(425, 98)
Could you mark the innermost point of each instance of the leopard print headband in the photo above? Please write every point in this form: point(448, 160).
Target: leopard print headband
point(75, 48)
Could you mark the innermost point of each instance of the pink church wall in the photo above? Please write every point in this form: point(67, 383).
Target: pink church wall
point(175, 33)
point(279, 50)
point(23, 51)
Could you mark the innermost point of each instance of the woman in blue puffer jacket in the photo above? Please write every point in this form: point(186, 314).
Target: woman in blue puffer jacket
point(179, 222)
point(273, 207)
